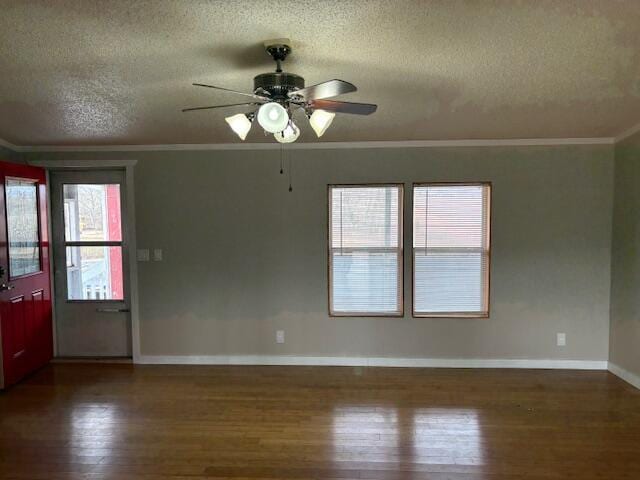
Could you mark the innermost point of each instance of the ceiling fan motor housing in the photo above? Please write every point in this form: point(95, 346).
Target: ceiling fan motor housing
point(278, 84)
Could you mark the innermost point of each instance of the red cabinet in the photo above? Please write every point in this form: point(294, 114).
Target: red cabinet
point(25, 294)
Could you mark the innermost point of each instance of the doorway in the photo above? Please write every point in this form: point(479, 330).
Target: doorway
point(91, 263)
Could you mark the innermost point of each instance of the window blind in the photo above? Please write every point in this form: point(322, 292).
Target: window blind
point(451, 251)
point(365, 250)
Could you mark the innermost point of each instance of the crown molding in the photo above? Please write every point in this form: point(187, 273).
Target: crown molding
point(62, 164)
point(627, 133)
point(9, 145)
point(518, 142)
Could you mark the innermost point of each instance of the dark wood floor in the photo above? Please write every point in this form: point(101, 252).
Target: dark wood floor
point(122, 422)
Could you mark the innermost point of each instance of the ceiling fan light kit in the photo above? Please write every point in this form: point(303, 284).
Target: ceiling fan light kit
point(240, 123)
point(289, 135)
point(278, 95)
point(273, 117)
point(320, 120)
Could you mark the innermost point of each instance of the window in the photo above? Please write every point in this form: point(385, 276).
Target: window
point(451, 252)
point(365, 250)
point(93, 242)
point(22, 226)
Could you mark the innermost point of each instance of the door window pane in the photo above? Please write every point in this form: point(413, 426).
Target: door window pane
point(22, 227)
point(92, 213)
point(94, 273)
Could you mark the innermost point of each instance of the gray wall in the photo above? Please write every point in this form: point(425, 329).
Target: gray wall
point(625, 261)
point(9, 155)
point(244, 257)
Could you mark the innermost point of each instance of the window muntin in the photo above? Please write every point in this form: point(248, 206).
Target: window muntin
point(365, 250)
point(451, 250)
point(23, 233)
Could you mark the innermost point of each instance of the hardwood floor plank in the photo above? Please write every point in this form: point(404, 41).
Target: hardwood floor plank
point(122, 421)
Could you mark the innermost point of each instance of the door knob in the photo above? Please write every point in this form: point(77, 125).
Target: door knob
point(4, 287)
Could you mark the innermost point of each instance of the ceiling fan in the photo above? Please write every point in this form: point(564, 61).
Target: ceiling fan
point(276, 96)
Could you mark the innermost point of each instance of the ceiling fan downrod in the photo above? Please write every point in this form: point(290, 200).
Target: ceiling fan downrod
point(278, 49)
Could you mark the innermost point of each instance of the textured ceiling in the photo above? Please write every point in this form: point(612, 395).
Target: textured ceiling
point(118, 72)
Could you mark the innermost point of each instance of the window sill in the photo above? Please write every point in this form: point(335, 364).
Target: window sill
point(450, 315)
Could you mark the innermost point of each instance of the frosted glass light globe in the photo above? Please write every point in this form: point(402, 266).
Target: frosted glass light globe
point(240, 124)
point(289, 134)
point(320, 121)
point(273, 117)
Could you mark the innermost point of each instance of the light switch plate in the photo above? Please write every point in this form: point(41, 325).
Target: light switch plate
point(142, 254)
point(562, 339)
point(157, 254)
point(279, 336)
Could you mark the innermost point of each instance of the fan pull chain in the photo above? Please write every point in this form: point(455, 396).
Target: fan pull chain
point(281, 160)
point(290, 174)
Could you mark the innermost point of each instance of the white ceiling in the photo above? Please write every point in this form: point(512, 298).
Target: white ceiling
point(85, 72)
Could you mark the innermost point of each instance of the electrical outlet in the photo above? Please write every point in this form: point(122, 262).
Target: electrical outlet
point(279, 336)
point(561, 339)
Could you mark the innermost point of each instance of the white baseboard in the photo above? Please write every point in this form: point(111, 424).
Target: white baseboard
point(625, 375)
point(371, 361)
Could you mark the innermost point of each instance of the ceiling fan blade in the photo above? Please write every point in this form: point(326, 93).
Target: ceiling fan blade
point(344, 107)
point(332, 88)
point(232, 91)
point(219, 106)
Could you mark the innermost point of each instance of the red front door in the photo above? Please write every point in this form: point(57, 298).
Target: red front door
point(25, 294)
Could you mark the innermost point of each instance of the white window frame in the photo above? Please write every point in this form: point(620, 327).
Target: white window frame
point(67, 244)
